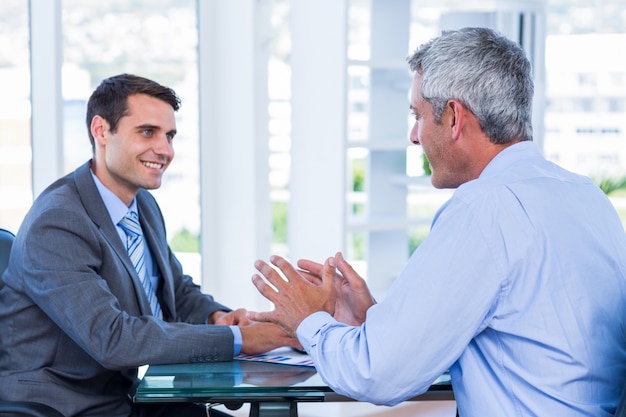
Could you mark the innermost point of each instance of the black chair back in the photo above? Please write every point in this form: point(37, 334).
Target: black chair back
point(6, 241)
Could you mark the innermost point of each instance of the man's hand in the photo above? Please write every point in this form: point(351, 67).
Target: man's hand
point(295, 297)
point(353, 296)
point(260, 337)
point(237, 317)
point(256, 337)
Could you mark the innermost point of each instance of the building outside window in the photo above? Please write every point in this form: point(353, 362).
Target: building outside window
point(585, 105)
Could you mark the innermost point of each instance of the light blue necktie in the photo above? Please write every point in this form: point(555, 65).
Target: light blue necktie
point(136, 250)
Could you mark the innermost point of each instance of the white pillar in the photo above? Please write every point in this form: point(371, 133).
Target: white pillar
point(316, 224)
point(390, 82)
point(236, 218)
point(46, 96)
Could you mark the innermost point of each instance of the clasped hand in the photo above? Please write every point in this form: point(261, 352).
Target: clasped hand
point(257, 337)
point(334, 287)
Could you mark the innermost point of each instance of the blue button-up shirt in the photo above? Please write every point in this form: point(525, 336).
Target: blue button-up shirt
point(519, 290)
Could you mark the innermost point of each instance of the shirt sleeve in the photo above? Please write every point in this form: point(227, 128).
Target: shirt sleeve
point(422, 326)
point(237, 339)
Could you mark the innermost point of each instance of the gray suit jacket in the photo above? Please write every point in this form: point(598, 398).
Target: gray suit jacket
point(75, 319)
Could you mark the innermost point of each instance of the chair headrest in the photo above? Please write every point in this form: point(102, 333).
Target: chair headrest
point(6, 241)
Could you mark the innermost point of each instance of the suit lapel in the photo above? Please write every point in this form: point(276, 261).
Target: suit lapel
point(97, 212)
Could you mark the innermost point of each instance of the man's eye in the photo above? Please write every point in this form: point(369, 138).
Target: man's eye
point(147, 132)
point(169, 136)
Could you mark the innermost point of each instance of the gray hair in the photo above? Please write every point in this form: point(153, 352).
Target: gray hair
point(487, 72)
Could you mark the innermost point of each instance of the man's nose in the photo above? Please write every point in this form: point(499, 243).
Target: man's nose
point(164, 146)
point(413, 136)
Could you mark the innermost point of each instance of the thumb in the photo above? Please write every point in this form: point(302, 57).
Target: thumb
point(328, 272)
point(346, 269)
point(259, 316)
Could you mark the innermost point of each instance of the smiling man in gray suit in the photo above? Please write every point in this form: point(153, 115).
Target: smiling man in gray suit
point(76, 319)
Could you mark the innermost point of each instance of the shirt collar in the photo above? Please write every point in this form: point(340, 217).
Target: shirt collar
point(514, 153)
point(114, 205)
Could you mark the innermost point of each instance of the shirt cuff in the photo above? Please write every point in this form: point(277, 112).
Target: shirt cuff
point(237, 339)
point(311, 326)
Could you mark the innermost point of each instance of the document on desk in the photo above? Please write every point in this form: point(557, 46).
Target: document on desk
point(284, 355)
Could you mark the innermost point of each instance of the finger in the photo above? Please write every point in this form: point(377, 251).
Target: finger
point(244, 321)
point(314, 268)
point(230, 318)
point(285, 267)
point(265, 290)
point(328, 273)
point(314, 279)
point(263, 316)
point(226, 320)
point(240, 318)
point(270, 274)
point(346, 269)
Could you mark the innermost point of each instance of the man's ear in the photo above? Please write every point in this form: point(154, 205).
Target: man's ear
point(458, 113)
point(99, 129)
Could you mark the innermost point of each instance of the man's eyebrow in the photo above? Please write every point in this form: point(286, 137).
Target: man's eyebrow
point(147, 126)
point(155, 127)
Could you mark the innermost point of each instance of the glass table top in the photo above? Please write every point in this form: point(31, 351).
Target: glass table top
point(241, 380)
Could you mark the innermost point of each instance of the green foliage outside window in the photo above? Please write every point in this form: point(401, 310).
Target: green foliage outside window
point(611, 185)
point(426, 165)
point(416, 237)
point(615, 187)
point(185, 241)
point(358, 175)
point(279, 222)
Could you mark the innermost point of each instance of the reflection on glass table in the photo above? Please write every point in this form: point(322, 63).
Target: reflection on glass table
point(273, 390)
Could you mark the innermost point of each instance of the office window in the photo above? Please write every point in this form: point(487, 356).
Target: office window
point(279, 124)
point(584, 121)
point(15, 140)
point(577, 89)
point(158, 39)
